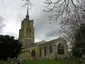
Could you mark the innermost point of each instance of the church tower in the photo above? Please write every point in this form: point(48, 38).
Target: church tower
point(26, 33)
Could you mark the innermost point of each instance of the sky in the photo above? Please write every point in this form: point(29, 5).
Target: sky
point(13, 13)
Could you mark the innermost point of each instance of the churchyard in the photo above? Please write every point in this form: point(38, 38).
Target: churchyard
point(67, 22)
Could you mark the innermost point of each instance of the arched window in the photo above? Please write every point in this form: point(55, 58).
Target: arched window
point(45, 51)
point(33, 53)
point(60, 48)
point(27, 31)
point(50, 49)
point(40, 52)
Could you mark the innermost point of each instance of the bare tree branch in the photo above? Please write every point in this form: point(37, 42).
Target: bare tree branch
point(73, 22)
point(70, 13)
point(60, 7)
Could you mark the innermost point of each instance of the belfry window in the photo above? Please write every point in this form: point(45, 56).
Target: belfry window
point(60, 48)
point(26, 30)
point(29, 30)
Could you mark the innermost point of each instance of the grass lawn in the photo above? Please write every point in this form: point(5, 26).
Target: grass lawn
point(53, 62)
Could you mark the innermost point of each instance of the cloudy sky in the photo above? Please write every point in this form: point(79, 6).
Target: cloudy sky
point(14, 13)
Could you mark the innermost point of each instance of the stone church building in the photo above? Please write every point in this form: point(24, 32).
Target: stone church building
point(56, 48)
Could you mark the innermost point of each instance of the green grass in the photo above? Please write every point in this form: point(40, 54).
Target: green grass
point(53, 62)
point(46, 62)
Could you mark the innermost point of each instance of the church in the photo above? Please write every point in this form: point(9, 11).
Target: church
point(56, 48)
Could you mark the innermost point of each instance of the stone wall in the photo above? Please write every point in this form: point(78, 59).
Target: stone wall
point(47, 50)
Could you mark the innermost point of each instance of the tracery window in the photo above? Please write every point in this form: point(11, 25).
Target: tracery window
point(50, 49)
point(60, 48)
point(33, 53)
point(45, 51)
point(40, 52)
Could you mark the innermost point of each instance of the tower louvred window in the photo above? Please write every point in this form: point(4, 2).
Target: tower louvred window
point(29, 30)
point(26, 30)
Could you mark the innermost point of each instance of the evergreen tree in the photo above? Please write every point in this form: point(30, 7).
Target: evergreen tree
point(9, 47)
point(78, 49)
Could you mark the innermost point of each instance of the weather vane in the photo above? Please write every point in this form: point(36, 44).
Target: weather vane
point(28, 4)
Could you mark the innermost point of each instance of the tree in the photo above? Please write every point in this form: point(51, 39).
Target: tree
point(75, 24)
point(9, 47)
point(61, 8)
point(78, 49)
point(71, 14)
point(68, 13)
